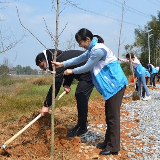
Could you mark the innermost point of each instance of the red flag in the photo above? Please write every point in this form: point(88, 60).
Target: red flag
point(132, 80)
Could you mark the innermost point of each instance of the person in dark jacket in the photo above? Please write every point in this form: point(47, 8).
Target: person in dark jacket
point(83, 90)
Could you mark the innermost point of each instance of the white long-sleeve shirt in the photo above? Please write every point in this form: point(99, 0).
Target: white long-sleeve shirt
point(136, 62)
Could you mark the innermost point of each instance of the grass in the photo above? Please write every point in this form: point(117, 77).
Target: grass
point(28, 96)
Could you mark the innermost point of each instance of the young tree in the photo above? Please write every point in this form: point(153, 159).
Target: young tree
point(53, 84)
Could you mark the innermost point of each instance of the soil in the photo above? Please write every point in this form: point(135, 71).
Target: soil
point(34, 143)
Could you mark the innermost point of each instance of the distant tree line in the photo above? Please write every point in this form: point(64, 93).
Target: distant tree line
point(18, 70)
point(143, 42)
point(25, 70)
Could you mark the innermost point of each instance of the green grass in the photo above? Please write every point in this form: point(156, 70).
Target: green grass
point(35, 91)
point(29, 97)
point(69, 99)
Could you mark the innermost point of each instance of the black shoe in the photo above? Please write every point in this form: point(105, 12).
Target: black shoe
point(107, 152)
point(73, 131)
point(81, 131)
point(101, 145)
point(77, 131)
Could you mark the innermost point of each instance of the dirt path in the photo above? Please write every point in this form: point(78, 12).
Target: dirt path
point(34, 143)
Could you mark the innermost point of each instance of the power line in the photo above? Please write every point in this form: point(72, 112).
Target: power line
point(153, 3)
point(128, 7)
point(134, 9)
point(86, 10)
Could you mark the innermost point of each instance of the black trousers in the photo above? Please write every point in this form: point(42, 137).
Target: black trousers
point(112, 111)
point(83, 92)
point(152, 79)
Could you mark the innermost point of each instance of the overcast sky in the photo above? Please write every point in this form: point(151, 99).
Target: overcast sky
point(102, 17)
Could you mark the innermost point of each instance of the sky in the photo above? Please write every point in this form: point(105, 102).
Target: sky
point(102, 17)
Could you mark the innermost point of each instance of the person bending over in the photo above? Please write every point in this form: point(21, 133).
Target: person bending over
point(139, 70)
point(83, 90)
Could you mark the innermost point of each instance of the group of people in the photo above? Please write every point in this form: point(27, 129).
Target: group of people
point(150, 75)
point(96, 67)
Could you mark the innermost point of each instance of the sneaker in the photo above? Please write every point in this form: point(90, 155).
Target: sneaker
point(77, 131)
point(146, 98)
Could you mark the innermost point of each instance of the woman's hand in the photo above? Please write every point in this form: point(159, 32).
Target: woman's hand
point(68, 71)
point(131, 60)
point(57, 64)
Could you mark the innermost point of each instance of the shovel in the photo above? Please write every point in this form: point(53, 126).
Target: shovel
point(27, 126)
point(135, 95)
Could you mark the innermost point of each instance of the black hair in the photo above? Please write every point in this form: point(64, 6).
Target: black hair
point(100, 39)
point(130, 54)
point(40, 58)
point(83, 33)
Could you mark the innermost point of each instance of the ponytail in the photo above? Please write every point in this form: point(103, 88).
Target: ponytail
point(100, 39)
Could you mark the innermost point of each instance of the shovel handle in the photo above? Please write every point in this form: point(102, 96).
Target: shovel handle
point(60, 96)
point(132, 71)
point(28, 125)
point(21, 131)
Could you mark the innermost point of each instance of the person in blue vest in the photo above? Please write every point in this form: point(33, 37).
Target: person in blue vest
point(158, 74)
point(153, 73)
point(108, 78)
point(147, 76)
point(139, 71)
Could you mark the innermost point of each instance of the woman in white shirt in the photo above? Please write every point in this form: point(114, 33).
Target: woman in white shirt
point(139, 71)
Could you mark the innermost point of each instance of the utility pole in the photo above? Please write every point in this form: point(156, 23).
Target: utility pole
point(149, 56)
point(120, 31)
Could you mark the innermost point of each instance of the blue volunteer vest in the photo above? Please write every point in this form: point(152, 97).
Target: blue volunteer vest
point(139, 70)
point(147, 73)
point(107, 75)
point(154, 70)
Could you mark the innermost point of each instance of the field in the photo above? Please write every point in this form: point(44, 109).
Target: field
point(21, 101)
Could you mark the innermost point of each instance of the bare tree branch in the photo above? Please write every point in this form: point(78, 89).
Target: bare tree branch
point(63, 8)
point(53, 5)
point(33, 34)
point(63, 29)
point(50, 33)
point(8, 42)
point(29, 30)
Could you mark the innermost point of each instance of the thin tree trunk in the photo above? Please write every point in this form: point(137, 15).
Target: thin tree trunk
point(53, 84)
